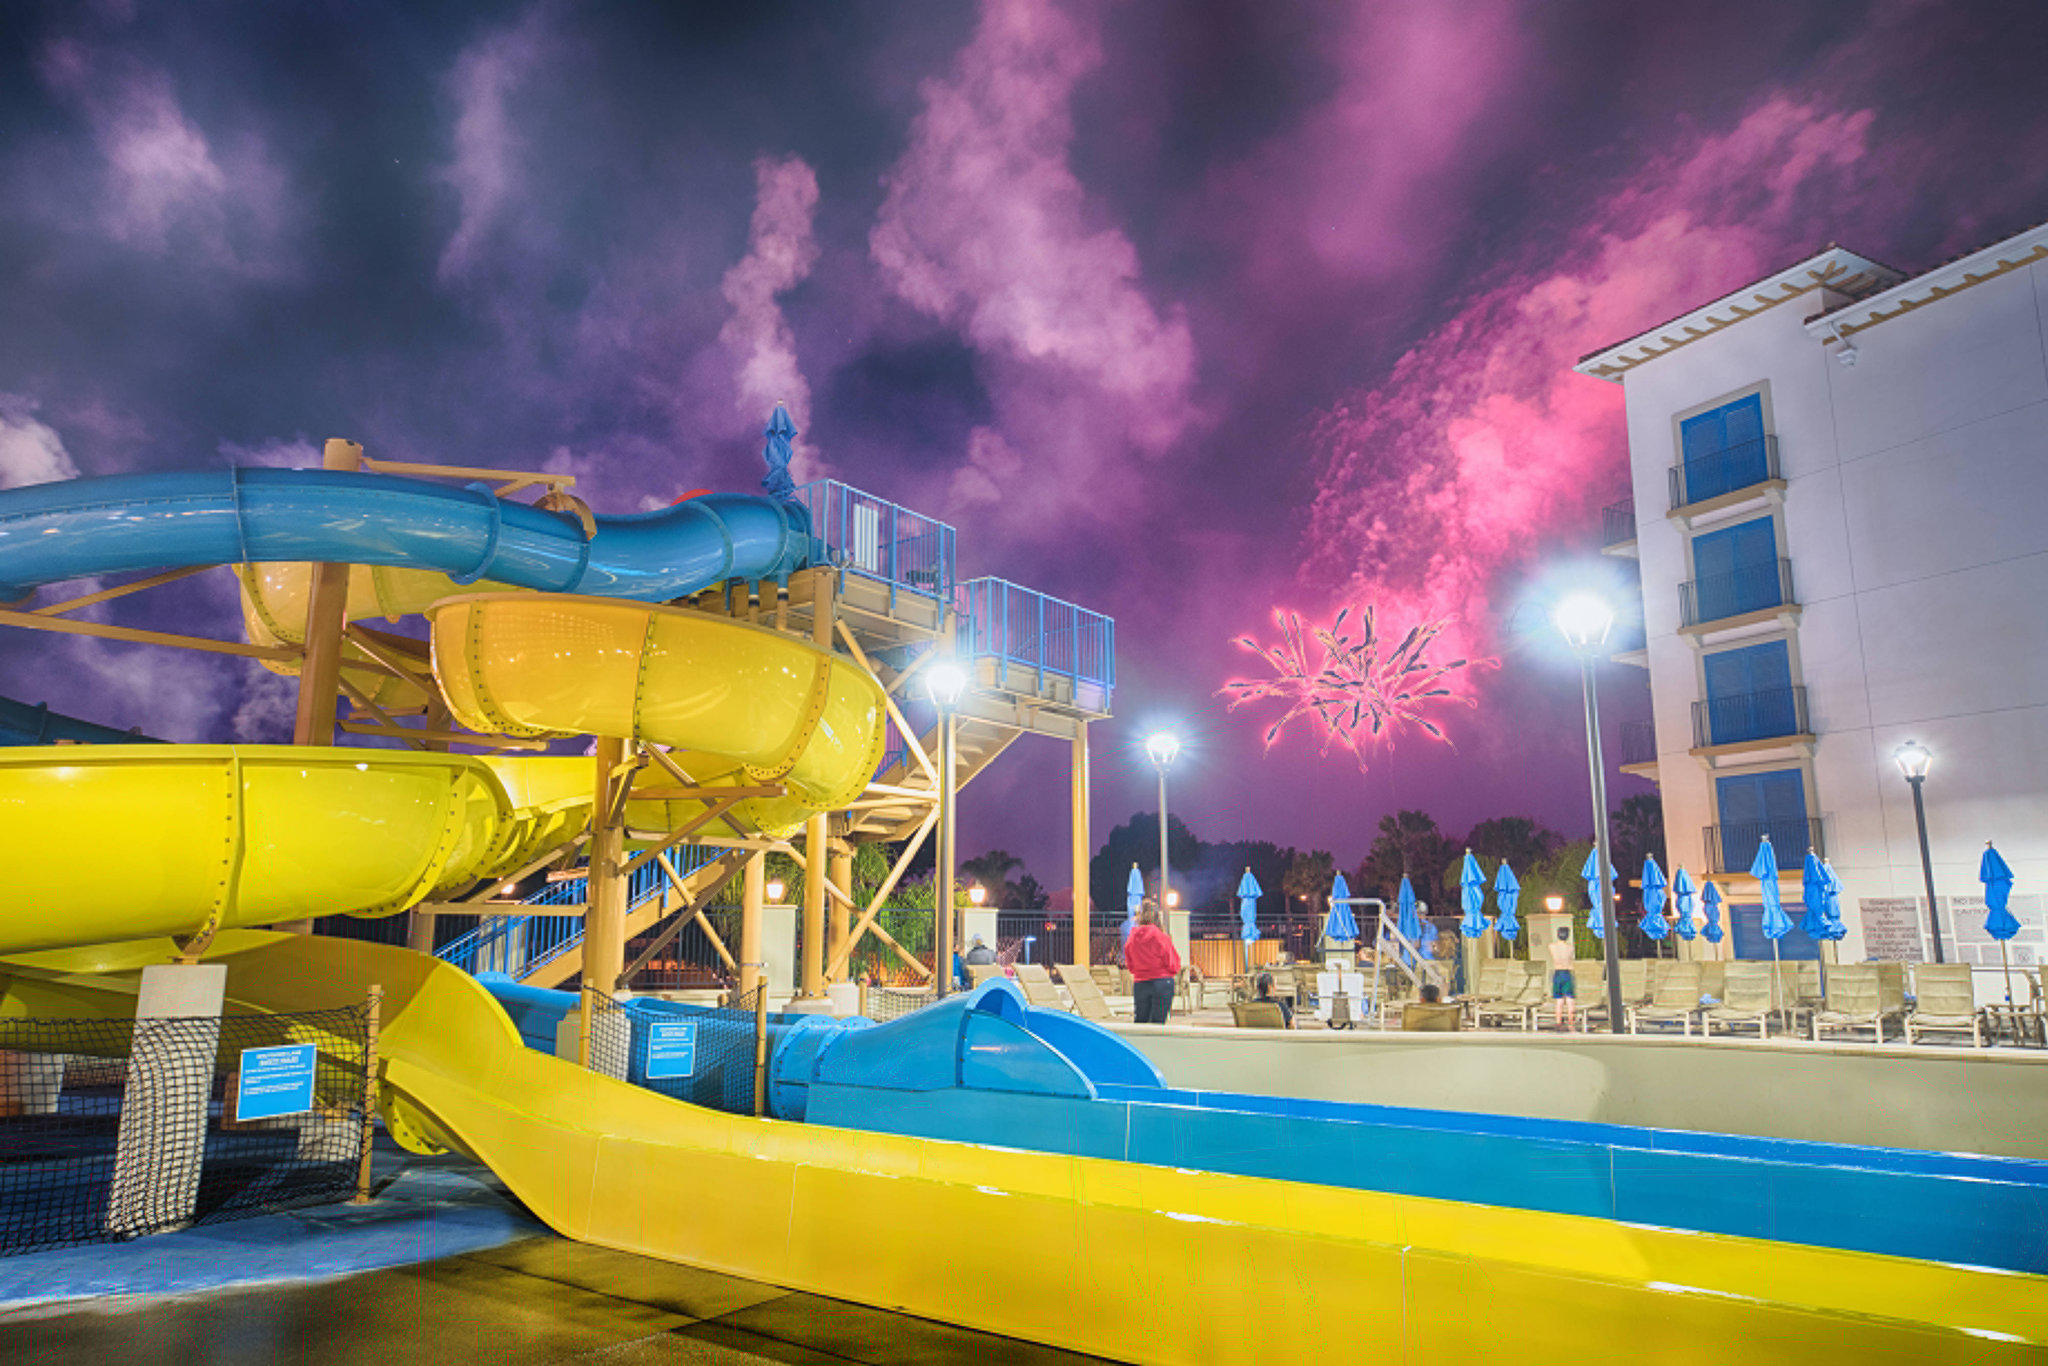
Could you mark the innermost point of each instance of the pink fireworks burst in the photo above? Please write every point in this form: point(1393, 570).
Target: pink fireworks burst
point(1356, 696)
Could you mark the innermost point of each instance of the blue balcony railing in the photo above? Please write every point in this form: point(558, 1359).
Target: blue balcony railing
point(1765, 714)
point(1031, 629)
point(863, 534)
point(1713, 473)
point(1749, 588)
point(517, 943)
point(1732, 846)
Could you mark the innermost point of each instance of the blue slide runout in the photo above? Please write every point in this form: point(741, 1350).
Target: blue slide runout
point(130, 522)
point(21, 724)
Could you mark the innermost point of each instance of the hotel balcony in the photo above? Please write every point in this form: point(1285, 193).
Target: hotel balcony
point(1721, 478)
point(1618, 528)
point(1731, 848)
point(1745, 718)
point(1730, 598)
point(1638, 749)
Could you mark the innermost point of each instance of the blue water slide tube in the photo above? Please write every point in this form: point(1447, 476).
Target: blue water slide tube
point(22, 724)
point(124, 522)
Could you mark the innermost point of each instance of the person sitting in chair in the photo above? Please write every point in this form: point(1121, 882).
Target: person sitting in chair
point(1265, 990)
point(1432, 994)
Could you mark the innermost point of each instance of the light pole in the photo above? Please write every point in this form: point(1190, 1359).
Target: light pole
point(1163, 747)
point(1914, 759)
point(1584, 620)
point(944, 681)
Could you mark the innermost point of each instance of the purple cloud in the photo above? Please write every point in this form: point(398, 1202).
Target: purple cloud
point(780, 253)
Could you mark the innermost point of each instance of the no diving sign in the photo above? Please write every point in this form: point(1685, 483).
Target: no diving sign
point(275, 1081)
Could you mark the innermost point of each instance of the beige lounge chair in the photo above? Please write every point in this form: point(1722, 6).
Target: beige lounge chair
point(1089, 1002)
point(1855, 1000)
point(1257, 1015)
point(1038, 987)
point(1713, 977)
point(1493, 979)
point(1635, 981)
point(1521, 1002)
point(1589, 992)
point(977, 973)
point(1746, 1001)
point(1444, 1016)
point(1944, 1002)
point(1676, 1001)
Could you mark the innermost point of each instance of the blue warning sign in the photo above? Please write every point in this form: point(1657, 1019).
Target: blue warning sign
point(671, 1049)
point(276, 1081)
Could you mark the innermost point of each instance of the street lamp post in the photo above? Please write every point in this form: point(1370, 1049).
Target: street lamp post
point(1163, 748)
point(1914, 759)
point(1585, 620)
point(944, 681)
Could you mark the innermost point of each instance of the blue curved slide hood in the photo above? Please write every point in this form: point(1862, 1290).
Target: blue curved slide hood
point(124, 522)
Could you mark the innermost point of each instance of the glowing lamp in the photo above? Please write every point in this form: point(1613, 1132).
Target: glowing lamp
point(1553, 903)
point(775, 890)
point(977, 894)
point(1584, 619)
point(1913, 759)
point(944, 682)
point(1164, 747)
point(1173, 898)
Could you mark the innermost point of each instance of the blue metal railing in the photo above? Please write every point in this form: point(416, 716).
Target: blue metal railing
point(1709, 474)
point(863, 534)
point(516, 944)
point(1022, 626)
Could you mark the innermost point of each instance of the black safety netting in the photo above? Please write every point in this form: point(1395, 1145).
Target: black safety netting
point(110, 1129)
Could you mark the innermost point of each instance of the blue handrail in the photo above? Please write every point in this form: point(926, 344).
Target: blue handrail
point(1023, 626)
point(863, 534)
point(516, 944)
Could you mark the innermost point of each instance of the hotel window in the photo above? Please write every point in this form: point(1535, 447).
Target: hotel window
point(1749, 696)
point(1722, 449)
point(1736, 570)
point(1753, 805)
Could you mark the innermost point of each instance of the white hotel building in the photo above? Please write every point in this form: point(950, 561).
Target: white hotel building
point(1841, 516)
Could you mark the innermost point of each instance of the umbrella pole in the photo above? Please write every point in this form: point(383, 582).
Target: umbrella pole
point(1777, 986)
point(2005, 960)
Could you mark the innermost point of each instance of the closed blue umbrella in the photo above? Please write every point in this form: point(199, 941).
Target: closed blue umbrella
point(1831, 925)
point(1134, 897)
point(1654, 924)
point(1410, 922)
point(779, 451)
point(1999, 921)
point(1342, 926)
point(1764, 868)
point(1248, 894)
point(1589, 872)
point(1685, 898)
point(1507, 894)
point(1813, 891)
point(1472, 893)
point(1710, 896)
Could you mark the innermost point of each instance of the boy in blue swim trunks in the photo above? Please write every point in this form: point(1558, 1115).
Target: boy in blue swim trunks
point(1563, 1007)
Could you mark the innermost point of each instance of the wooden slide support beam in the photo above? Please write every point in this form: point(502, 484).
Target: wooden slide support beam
point(58, 609)
point(867, 919)
point(692, 913)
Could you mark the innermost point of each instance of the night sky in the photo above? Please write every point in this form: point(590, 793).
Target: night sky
point(1180, 311)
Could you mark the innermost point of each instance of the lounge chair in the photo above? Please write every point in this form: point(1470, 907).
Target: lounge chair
point(1944, 1002)
point(1446, 1016)
point(1521, 1002)
point(1589, 992)
point(1676, 1001)
point(1746, 1001)
point(1855, 1000)
point(1493, 979)
point(1713, 977)
point(1635, 981)
point(977, 973)
point(1038, 987)
point(1257, 1015)
point(1081, 989)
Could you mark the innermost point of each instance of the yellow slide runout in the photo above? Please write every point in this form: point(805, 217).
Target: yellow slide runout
point(112, 842)
point(774, 708)
point(1132, 1262)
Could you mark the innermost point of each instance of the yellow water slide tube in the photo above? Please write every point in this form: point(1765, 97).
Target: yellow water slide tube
point(739, 702)
point(1132, 1262)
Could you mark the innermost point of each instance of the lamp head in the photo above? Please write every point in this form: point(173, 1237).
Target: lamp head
point(1553, 903)
point(1164, 747)
point(1913, 759)
point(1584, 619)
point(775, 890)
point(944, 681)
point(1173, 898)
point(977, 894)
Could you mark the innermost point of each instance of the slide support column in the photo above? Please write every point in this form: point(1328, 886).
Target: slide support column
point(816, 860)
point(326, 617)
point(753, 894)
point(842, 917)
point(161, 1143)
point(604, 912)
point(1083, 949)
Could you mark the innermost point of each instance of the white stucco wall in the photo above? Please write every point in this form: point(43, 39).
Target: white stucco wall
point(1916, 520)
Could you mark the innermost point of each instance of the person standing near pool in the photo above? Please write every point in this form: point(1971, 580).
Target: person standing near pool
point(1563, 1005)
point(1153, 962)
